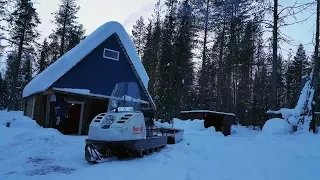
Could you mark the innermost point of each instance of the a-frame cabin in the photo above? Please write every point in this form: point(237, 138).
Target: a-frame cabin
point(85, 76)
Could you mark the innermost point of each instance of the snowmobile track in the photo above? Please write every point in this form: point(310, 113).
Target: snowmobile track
point(99, 151)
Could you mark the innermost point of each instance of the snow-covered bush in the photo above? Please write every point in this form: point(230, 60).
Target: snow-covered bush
point(301, 115)
point(189, 126)
point(17, 120)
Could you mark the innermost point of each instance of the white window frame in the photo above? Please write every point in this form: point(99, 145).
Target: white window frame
point(107, 57)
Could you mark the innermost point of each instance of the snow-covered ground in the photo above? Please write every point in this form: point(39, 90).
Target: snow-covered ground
point(28, 151)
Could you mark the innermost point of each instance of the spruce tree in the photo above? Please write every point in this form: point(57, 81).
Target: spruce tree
point(296, 69)
point(280, 82)
point(65, 21)
point(3, 13)
point(205, 14)
point(3, 18)
point(3, 93)
point(43, 59)
point(182, 49)
point(53, 53)
point(151, 51)
point(26, 70)
point(24, 35)
point(138, 35)
point(3, 4)
point(74, 37)
point(165, 71)
point(12, 97)
point(148, 51)
point(244, 67)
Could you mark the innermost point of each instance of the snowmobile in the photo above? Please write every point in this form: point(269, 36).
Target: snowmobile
point(126, 130)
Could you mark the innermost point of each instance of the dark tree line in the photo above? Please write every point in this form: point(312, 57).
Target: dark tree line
point(25, 56)
point(212, 55)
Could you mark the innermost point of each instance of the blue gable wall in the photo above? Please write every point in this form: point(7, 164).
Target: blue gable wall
point(98, 74)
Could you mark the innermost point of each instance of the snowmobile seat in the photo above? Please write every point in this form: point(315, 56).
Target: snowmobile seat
point(148, 112)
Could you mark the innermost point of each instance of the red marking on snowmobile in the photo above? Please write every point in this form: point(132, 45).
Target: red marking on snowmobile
point(137, 130)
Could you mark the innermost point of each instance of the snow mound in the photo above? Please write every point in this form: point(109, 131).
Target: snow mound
point(17, 120)
point(195, 126)
point(276, 126)
point(186, 125)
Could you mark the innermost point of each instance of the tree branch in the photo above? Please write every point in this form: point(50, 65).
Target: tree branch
point(289, 24)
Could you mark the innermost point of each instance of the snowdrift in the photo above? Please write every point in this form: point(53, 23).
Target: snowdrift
point(186, 125)
point(276, 126)
point(30, 152)
point(24, 129)
point(189, 126)
point(17, 120)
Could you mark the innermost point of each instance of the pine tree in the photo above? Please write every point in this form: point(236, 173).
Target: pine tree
point(65, 20)
point(43, 60)
point(24, 36)
point(138, 35)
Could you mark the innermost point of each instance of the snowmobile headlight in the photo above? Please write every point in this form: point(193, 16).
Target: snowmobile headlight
point(114, 104)
point(109, 119)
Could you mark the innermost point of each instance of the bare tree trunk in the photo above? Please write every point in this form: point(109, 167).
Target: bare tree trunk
point(274, 56)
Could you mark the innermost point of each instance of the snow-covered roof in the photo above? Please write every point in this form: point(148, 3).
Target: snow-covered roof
point(207, 111)
point(51, 74)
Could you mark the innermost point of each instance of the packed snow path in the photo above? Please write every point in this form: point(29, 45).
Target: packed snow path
point(30, 152)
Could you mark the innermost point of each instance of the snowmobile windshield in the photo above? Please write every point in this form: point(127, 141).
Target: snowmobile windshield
point(125, 97)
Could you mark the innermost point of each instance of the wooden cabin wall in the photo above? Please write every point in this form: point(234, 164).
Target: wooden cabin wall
point(40, 109)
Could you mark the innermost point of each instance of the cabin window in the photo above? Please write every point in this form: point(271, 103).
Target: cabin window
point(111, 54)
